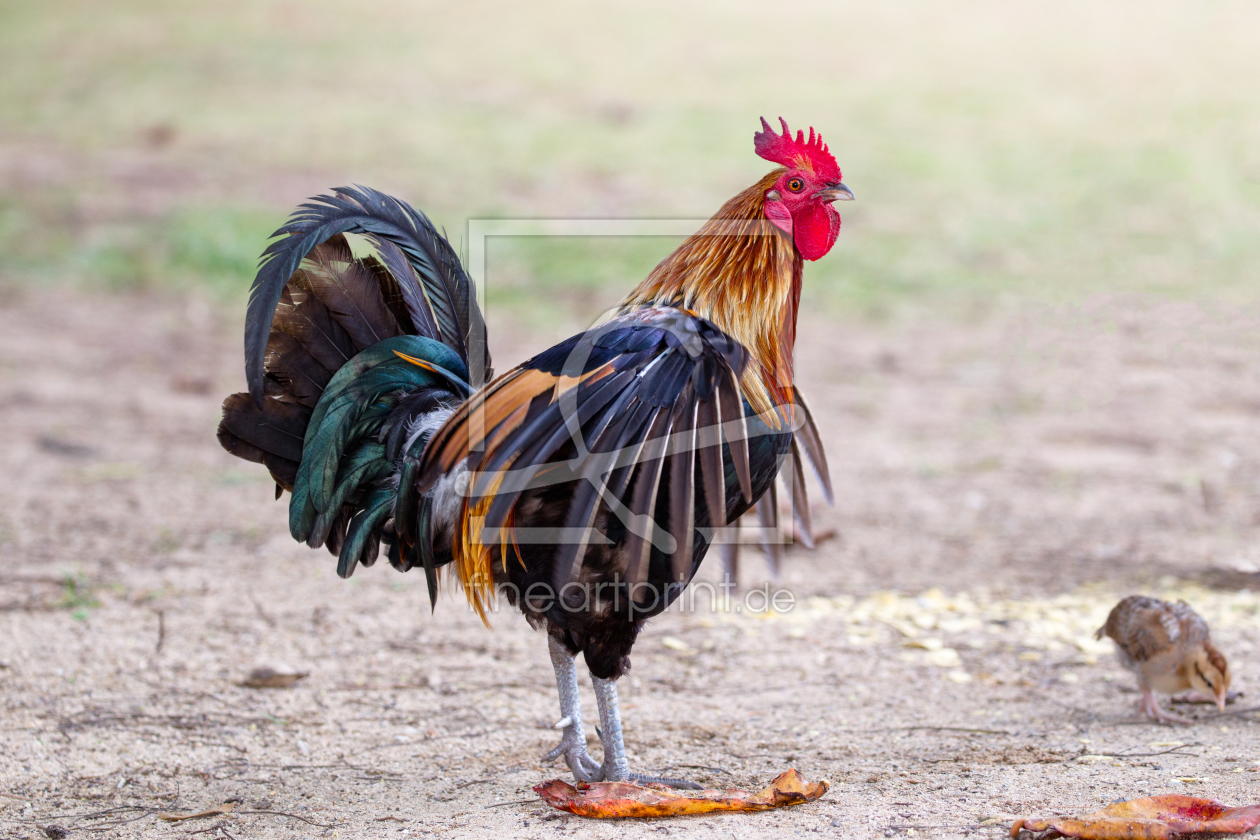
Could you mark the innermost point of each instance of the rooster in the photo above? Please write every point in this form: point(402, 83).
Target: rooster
point(586, 485)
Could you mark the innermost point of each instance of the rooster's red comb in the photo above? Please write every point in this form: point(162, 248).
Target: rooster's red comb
point(796, 153)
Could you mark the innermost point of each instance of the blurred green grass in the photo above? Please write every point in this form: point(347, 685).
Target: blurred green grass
point(213, 249)
point(997, 150)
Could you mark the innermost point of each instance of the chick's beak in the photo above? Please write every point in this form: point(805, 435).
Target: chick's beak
point(1221, 697)
point(836, 192)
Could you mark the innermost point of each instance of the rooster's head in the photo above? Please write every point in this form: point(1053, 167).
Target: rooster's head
point(799, 203)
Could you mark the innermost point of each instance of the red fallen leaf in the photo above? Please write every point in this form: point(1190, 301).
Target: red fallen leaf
point(604, 800)
point(1153, 818)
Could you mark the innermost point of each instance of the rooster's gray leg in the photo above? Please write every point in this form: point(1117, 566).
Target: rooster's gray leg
point(573, 743)
point(615, 768)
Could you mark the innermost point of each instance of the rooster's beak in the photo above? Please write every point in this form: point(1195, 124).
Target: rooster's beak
point(839, 192)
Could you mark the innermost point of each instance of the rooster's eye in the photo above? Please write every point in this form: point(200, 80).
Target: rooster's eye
point(796, 185)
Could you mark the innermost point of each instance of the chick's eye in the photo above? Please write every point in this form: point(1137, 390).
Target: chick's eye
point(796, 185)
point(1203, 677)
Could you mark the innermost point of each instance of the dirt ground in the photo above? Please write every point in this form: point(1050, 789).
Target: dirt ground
point(999, 484)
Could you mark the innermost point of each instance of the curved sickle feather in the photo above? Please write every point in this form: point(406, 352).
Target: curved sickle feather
point(812, 444)
point(798, 495)
point(768, 520)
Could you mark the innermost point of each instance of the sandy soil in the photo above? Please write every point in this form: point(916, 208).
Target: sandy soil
point(999, 485)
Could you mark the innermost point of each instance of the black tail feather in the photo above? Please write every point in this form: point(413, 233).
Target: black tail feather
point(303, 315)
point(437, 281)
point(354, 294)
point(276, 428)
point(271, 435)
point(412, 294)
point(295, 370)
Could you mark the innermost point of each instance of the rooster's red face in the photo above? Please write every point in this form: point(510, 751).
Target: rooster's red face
point(800, 201)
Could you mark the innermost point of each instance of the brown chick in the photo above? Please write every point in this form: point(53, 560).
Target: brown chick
point(1167, 646)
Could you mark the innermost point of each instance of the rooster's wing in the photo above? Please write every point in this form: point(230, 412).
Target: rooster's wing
point(633, 414)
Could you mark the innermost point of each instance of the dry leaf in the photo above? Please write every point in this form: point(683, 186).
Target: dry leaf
point(217, 810)
point(1153, 818)
point(273, 676)
point(625, 799)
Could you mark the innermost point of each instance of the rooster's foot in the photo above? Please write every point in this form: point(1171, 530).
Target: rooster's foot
point(572, 747)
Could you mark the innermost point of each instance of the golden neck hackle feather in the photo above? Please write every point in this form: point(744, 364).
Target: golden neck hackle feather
point(743, 274)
